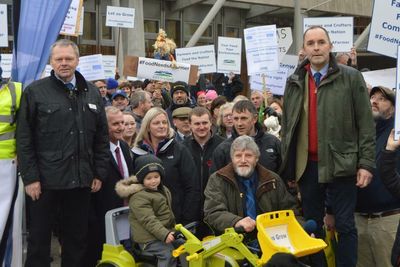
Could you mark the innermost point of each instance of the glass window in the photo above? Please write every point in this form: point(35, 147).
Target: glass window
point(89, 26)
point(173, 29)
point(107, 50)
point(190, 29)
point(106, 31)
point(149, 49)
point(151, 26)
point(232, 32)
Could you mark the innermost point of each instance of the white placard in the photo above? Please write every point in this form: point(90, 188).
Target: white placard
point(162, 70)
point(280, 236)
point(91, 67)
point(285, 40)
point(6, 64)
point(229, 55)
point(202, 56)
point(397, 112)
point(47, 71)
point(340, 30)
point(109, 65)
point(275, 81)
point(385, 77)
point(290, 63)
point(80, 30)
point(71, 26)
point(261, 49)
point(3, 26)
point(384, 34)
point(123, 17)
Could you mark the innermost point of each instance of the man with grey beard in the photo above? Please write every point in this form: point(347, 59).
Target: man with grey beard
point(377, 211)
point(238, 192)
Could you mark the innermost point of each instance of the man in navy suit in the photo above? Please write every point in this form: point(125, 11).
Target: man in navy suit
point(119, 167)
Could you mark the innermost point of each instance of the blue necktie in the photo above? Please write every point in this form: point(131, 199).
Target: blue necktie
point(70, 86)
point(250, 199)
point(317, 78)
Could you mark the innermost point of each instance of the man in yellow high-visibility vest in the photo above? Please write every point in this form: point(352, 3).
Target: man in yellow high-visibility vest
point(10, 95)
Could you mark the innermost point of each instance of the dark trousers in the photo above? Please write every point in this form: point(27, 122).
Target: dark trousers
point(74, 206)
point(341, 196)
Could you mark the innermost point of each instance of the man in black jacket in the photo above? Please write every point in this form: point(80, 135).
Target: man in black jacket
point(202, 144)
point(62, 151)
point(119, 167)
point(388, 171)
point(245, 123)
point(377, 211)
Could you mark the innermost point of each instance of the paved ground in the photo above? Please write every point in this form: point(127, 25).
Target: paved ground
point(55, 253)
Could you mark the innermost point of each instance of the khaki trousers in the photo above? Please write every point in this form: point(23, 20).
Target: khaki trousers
point(375, 240)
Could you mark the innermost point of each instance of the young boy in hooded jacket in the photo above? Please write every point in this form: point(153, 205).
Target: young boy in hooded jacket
point(150, 217)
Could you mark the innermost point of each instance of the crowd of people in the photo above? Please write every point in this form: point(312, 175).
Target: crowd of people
point(176, 153)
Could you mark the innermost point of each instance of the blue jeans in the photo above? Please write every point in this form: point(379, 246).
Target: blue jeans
point(341, 196)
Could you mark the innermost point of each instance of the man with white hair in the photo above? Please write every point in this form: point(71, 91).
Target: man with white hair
point(238, 192)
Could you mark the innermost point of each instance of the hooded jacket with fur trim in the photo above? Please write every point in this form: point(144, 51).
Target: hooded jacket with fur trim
point(150, 214)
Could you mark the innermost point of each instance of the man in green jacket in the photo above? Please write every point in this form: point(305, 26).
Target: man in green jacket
point(328, 140)
point(238, 192)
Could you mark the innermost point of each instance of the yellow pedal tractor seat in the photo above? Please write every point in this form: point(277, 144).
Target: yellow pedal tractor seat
point(119, 251)
point(279, 231)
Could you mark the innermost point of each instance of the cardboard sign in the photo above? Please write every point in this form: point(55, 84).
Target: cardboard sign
point(6, 64)
point(120, 17)
point(384, 34)
point(71, 24)
point(91, 67)
point(285, 40)
point(202, 56)
point(153, 69)
point(3, 26)
point(340, 30)
point(261, 49)
point(229, 55)
point(80, 30)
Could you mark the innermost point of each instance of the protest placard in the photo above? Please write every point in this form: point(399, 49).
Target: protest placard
point(71, 24)
point(6, 64)
point(290, 63)
point(384, 34)
point(397, 109)
point(229, 55)
point(340, 30)
point(385, 77)
point(47, 71)
point(122, 17)
point(202, 56)
point(91, 67)
point(162, 70)
point(3, 26)
point(275, 81)
point(285, 40)
point(109, 65)
point(261, 49)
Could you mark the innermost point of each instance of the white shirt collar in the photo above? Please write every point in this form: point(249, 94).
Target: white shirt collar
point(114, 146)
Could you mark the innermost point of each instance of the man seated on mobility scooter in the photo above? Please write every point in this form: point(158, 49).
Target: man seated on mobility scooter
point(238, 192)
point(246, 195)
